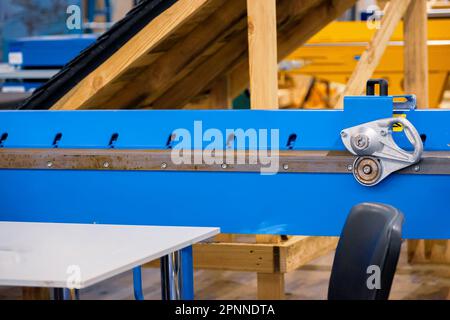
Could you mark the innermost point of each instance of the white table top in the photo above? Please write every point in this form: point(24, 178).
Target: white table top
point(78, 256)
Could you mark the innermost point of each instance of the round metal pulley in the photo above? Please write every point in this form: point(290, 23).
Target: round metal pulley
point(367, 170)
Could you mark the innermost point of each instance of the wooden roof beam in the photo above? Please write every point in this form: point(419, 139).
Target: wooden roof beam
point(262, 47)
point(310, 24)
point(150, 36)
point(194, 83)
point(175, 99)
point(374, 52)
point(416, 52)
point(176, 63)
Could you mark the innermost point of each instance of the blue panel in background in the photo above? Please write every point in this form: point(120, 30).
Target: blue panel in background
point(32, 18)
point(49, 51)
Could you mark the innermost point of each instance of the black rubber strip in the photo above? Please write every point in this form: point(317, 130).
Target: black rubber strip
point(93, 56)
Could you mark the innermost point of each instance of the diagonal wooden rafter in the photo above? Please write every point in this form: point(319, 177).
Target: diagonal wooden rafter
point(182, 53)
point(176, 63)
point(372, 55)
point(304, 29)
point(288, 41)
point(416, 52)
point(134, 49)
point(193, 84)
point(288, 12)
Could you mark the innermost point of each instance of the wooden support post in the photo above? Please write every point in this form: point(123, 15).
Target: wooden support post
point(263, 67)
point(372, 55)
point(263, 60)
point(219, 95)
point(315, 16)
point(225, 237)
point(270, 285)
point(416, 52)
point(271, 257)
point(35, 294)
point(416, 82)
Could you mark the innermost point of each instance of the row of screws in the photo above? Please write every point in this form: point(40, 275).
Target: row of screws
point(224, 166)
point(50, 164)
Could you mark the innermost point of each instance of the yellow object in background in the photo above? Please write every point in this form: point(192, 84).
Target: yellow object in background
point(333, 53)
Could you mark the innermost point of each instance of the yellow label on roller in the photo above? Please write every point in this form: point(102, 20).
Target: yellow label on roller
point(398, 127)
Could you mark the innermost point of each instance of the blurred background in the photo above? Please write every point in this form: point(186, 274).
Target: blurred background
point(35, 43)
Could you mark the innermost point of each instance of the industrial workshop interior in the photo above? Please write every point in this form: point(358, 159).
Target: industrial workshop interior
point(224, 150)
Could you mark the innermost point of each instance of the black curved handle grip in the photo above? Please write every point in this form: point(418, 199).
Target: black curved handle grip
point(384, 87)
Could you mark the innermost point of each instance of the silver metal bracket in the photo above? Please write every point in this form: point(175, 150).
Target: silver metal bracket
point(407, 102)
point(378, 155)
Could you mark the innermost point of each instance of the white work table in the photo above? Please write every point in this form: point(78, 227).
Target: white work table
point(48, 255)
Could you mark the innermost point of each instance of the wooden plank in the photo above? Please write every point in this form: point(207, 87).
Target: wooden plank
point(416, 82)
point(267, 238)
point(263, 61)
point(371, 57)
point(232, 257)
point(281, 257)
point(314, 19)
point(429, 251)
point(219, 95)
point(35, 294)
point(137, 47)
point(416, 52)
point(287, 12)
point(238, 78)
point(290, 12)
point(263, 74)
point(271, 286)
point(194, 83)
point(298, 253)
point(180, 59)
point(201, 79)
point(175, 57)
point(225, 237)
point(440, 4)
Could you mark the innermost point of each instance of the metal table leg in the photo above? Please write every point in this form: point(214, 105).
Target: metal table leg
point(187, 266)
point(60, 294)
point(137, 284)
point(177, 275)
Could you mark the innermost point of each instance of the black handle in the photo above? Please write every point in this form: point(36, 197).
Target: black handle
point(384, 87)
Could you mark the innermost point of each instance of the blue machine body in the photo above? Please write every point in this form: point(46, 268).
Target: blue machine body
point(285, 203)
